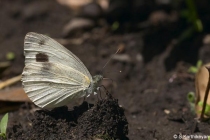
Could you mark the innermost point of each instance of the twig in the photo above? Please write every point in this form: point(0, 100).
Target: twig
point(4, 64)
point(206, 96)
point(10, 81)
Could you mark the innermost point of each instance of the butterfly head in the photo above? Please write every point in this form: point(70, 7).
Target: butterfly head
point(94, 84)
point(97, 78)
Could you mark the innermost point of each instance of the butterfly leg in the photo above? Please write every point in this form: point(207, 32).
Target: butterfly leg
point(86, 95)
point(95, 93)
point(99, 91)
point(85, 99)
point(104, 89)
point(88, 105)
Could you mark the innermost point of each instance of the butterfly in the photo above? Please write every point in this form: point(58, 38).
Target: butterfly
point(53, 76)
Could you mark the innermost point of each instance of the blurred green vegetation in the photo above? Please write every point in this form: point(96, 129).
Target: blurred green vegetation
point(3, 126)
point(191, 16)
point(194, 69)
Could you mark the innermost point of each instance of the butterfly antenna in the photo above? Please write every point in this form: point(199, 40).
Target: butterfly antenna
point(110, 58)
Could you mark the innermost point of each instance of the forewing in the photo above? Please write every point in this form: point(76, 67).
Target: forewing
point(50, 85)
point(41, 48)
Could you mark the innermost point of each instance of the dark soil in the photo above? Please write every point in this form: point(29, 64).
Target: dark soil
point(103, 120)
point(152, 87)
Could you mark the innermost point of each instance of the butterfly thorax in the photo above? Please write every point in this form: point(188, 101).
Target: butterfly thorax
point(94, 84)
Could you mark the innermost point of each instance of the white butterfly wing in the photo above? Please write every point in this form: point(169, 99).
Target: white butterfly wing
point(53, 75)
point(37, 45)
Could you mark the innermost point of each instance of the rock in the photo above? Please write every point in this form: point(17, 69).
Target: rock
point(74, 4)
point(206, 39)
point(77, 24)
point(92, 10)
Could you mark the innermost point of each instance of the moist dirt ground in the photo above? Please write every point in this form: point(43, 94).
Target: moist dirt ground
point(147, 100)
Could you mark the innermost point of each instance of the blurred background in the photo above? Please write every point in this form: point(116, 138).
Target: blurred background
point(159, 41)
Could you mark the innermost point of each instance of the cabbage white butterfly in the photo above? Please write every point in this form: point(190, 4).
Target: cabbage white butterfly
point(53, 76)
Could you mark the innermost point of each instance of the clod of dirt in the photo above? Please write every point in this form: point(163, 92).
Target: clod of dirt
point(92, 10)
point(104, 120)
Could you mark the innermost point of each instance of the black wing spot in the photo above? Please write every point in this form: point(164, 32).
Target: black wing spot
point(41, 57)
point(41, 42)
